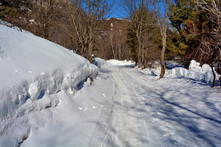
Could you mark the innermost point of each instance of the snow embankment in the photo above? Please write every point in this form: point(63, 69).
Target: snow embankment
point(121, 63)
point(99, 62)
point(196, 72)
point(32, 67)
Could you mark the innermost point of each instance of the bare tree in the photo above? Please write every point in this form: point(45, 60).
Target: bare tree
point(212, 6)
point(117, 37)
point(87, 13)
point(138, 15)
point(213, 37)
point(162, 7)
point(44, 16)
point(143, 25)
point(76, 28)
point(111, 42)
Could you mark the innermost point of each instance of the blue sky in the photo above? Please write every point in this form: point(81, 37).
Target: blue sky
point(117, 10)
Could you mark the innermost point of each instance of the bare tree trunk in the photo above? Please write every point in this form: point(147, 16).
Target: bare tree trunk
point(112, 41)
point(219, 72)
point(164, 40)
point(119, 52)
point(139, 47)
point(90, 43)
point(139, 56)
point(163, 24)
point(119, 46)
point(214, 75)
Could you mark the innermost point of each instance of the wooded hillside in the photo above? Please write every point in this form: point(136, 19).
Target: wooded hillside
point(188, 30)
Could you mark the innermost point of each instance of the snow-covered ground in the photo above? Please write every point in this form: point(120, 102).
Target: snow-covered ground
point(166, 112)
point(51, 97)
point(33, 72)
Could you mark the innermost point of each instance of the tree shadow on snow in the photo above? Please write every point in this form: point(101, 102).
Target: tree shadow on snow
point(198, 125)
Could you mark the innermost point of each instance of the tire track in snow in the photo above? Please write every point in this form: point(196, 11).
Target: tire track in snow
point(159, 131)
point(176, 123)
point(127, 125)
point(138, 116)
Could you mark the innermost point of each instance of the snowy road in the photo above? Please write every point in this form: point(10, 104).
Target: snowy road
point(128, 128)
point(53, 102)
point(127, 107)
point(166, 112)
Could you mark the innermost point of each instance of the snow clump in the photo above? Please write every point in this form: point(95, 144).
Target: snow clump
point(121, 63)
point(195, 72)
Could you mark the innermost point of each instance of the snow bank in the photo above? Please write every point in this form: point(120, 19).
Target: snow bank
point(195, 72)
point(121, 63)
point(99, 62)
point(32, 67)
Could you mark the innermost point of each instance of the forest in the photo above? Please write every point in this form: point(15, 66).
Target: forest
point(154, 30)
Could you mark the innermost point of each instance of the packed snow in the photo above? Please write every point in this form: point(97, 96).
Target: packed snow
point(52, 97)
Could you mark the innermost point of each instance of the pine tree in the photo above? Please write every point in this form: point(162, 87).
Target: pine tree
point(176, 46)
point(191, 26)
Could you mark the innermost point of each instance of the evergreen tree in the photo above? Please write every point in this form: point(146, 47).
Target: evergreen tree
point(176, 46)
point(199, 27)
point(6, 10)
point(132, 44)
point(183, 16)
point(192, 28)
